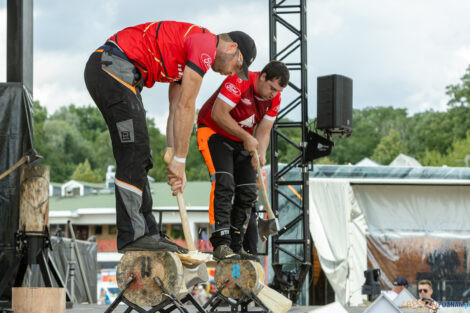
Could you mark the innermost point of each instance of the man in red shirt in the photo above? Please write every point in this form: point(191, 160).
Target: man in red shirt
point(172, 52)
point(226, 124)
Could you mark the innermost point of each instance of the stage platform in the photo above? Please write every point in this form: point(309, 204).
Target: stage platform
point(82, 308)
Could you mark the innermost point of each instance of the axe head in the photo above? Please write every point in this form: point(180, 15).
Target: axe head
point(32, 157)
point(267, 227)
point(195, 275)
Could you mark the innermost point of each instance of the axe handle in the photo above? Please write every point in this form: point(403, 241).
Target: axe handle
point(182, 207)
point(14, 167)
point(267, 206)
point(185, 222)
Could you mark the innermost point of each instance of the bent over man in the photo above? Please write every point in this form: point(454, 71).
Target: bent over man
point(226, 124)
point(172, 52)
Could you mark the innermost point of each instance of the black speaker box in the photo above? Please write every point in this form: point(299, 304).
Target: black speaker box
point(334, 105)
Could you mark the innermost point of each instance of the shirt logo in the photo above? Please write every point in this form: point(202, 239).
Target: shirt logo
point(248, 122)
point(232, 88)
point(206, 60)
point(246, 101)
point(180, 71)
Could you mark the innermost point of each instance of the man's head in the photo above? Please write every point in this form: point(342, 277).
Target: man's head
point(425, 289)
point(272, 79)
point(399, 284)
point(235, 53)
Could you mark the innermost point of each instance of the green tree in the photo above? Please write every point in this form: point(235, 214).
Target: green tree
point(370, 125)
point(458, 153)
point(389, 148)
point(460, 93)
point(83, 172)
point(435, 131)
point(63, 148)
point(432, 158)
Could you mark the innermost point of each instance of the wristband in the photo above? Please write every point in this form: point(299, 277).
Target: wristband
point(180, 160)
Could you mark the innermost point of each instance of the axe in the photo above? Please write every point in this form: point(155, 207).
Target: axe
point(31, 157)
point(195, 271)
point(271, 225)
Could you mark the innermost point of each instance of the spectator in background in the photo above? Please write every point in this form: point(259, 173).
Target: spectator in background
point(104, 298)
point(399, 284)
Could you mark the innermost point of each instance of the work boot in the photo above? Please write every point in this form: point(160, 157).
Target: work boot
point(163, 238)
point(247, 256)
point(148, 243)
point(223, 252)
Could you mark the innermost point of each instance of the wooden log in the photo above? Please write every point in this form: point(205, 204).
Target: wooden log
point(242, 275)
point(273, 300)
point(145, 266)
point(34, 198)
point(38, 300)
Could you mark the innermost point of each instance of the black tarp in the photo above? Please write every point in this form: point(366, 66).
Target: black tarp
point(15, 139)
point(63, 253)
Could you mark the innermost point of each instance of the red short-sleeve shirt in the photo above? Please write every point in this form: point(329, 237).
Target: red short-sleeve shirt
point(161, 50)
point(248, 109)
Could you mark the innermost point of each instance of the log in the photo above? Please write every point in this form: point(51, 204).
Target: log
point(34, 198)
point(38, 300)
point(145, 266)
point(243, 275)
point(273, 300)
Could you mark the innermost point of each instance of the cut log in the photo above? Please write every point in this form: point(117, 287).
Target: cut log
point(273, 300)
point(145, 266)
point(242, 275)
point(38, 300)
point(34, 198)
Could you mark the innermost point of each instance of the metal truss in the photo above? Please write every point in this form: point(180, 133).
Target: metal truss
point(291, 257)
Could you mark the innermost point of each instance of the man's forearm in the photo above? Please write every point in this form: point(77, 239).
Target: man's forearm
point(227, 123)
point(174, 95)
point(263, 140)
point(182, 127)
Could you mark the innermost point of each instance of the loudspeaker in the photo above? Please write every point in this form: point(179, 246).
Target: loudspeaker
point(334, 105)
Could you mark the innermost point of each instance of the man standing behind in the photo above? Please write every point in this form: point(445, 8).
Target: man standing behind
point(226, 124)
point(172, 52)
point(399, 284)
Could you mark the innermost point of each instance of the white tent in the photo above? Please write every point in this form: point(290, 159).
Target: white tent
point(347, 203)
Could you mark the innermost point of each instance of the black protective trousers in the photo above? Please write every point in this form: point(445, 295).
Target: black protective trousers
point(115, 83)
point(234, 187)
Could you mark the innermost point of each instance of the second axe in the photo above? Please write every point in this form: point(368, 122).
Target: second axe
point(271, 225)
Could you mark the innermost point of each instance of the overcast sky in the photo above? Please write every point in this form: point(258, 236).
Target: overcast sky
point(399, 53)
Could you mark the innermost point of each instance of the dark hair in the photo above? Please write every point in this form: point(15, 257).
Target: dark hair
point(276, 70)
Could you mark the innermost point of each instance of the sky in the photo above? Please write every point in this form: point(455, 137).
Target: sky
point(400, 53)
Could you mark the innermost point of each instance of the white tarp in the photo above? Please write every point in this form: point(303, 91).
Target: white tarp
point(398, 211)
point(341, 215)
point(338, 228)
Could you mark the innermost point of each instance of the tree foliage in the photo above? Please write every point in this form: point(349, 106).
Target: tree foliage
point(75, 140)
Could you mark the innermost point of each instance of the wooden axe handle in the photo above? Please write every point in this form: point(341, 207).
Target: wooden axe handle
point(267, 206)
point(182, 208)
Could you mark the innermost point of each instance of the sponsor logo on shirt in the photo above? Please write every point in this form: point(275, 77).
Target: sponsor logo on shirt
point(206, 60)
point(248, 122)
point(233, 89)
point(246, 101)
point(180, 71)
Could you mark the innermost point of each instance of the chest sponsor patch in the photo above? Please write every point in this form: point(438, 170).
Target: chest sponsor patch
point(206, 60)
point(246, 101)
point(248, 122)
point(232, 88)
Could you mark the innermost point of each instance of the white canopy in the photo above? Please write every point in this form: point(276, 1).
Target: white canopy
point(344, 210)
